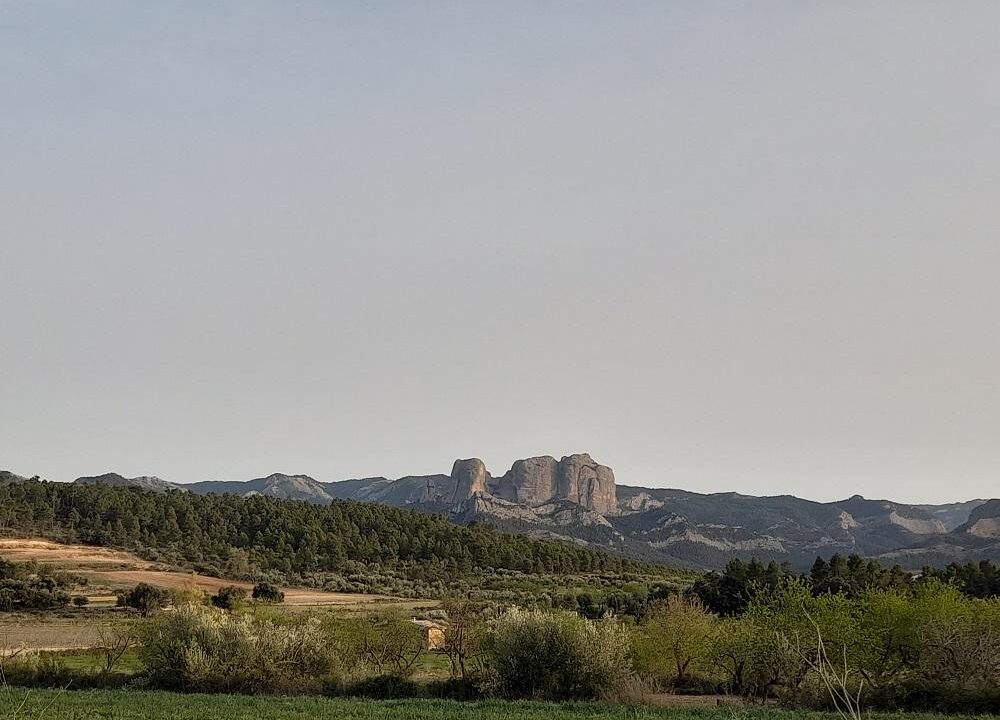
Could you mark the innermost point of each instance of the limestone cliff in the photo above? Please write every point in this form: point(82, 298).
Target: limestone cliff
point(576, 478)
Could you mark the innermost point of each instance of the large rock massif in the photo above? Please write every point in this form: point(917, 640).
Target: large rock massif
point(577, 499)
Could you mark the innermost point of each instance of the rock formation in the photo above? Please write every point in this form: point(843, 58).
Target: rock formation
point(470, 478)
point(576, 478)
point(585, 482)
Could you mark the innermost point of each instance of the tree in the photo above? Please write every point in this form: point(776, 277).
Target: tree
point(730, 592)
point(389, 643)
point(267, 592)
point(462, 635)
point(677, 632)
point(230, 597)
point(115, 641)
point(754, 657)
point(145, 598)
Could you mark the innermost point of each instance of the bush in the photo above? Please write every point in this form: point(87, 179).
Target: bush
point(230, 597)
point(80, 601)
point(266, 592)
point(189, 595)
point(145, 598)
point(204, 650)
point(27, 586)
point(533, 654)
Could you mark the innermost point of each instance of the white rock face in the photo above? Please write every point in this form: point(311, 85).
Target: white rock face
point(985, 528)
point(693, 536)
point(917, 526)
point(640, 502)
point(847, 521)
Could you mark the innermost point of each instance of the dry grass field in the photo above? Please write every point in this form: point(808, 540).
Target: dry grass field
point(115, 570)
point(109, 570)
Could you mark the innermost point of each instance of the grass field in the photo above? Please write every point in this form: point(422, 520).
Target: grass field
point(139, 705)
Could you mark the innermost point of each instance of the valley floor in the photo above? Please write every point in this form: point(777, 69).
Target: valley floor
point(142, 705)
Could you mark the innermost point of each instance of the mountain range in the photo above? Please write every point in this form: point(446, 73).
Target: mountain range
point(577, 499)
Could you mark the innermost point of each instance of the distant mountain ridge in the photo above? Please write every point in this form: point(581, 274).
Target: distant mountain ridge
point(6, 476)
point(146, 482)
point(577, 499)
point(279, 485)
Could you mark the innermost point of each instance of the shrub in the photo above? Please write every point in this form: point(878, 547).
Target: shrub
point(27, 586)
point(189, 595)
point(266, 592)
point(230, 597)
point(202, 649)
point(145, 598)
point(555, 656)
point(80, 601)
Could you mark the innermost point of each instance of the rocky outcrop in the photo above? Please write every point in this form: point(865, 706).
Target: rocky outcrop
point(531, 481)
point(952, 515)
point(984, 522)
point(470, 477)
point(638, 503)
point(845, 521)
point(585, 482)
point(917, 526)
point(985, 528)
point(576, 478)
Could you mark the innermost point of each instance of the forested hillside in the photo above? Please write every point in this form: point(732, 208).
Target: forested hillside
point(237, 534)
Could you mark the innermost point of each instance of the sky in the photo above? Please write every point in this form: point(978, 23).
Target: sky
point(722, 246)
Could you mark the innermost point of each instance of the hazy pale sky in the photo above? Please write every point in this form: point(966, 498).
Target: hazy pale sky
point(718, 245)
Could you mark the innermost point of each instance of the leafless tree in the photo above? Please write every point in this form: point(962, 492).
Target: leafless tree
point(389, 642)
point(836, 677)
point(115, 640)
point(461, 634)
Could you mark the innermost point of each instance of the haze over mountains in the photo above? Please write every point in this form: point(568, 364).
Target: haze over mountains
point(577, 499)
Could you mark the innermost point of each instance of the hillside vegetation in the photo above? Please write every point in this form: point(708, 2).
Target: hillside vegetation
point(236, 536)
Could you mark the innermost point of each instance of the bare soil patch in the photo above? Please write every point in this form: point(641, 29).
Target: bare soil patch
point(70, 557)
point(117, 569)
point(38, 633)
point(176, 580)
